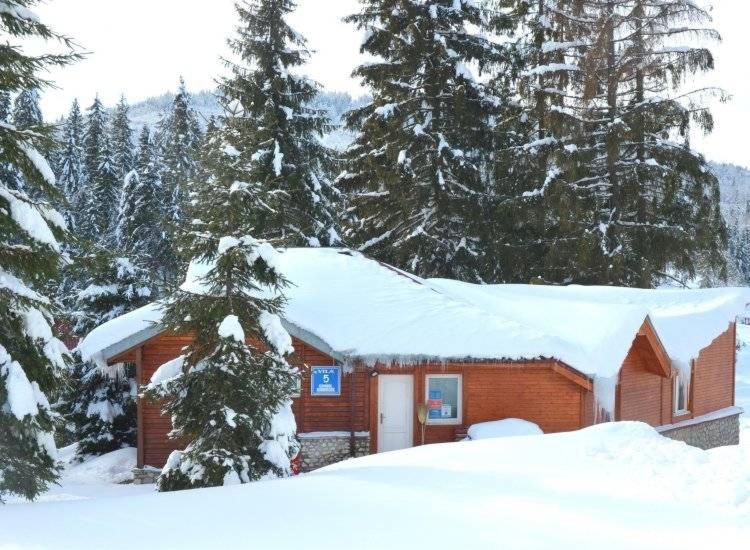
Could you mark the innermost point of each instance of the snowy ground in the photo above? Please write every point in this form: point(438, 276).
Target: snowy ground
point(614, 486)
point(105, 476)
point(611, 486)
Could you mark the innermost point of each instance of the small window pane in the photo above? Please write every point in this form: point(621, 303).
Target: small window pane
point(442, 398)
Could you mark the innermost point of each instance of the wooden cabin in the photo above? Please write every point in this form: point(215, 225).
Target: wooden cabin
point(374, 343)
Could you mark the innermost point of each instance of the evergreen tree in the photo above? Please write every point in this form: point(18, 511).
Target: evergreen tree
point(629, 201)
point(102, 407)
point(229, 395)
point(26, 111)
point(7, 173)
point(281, 134)
point(123, 156)
point(102, 191)
point(30, 356)
point(179, 137)
point(71, 175)
point(414, 177)
point(229, 399)
point(140, 233)
point(112, 286)
point(536, 140)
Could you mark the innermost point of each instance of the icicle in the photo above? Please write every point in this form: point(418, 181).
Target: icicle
point(605, 390)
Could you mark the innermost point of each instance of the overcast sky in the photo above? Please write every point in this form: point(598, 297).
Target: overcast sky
point(140, 48)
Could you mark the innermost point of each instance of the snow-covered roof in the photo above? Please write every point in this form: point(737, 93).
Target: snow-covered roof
point(353, 307)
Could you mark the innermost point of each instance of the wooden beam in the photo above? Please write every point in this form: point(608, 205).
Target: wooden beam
point(573, 376)
point(139, 407)
point(664, 363)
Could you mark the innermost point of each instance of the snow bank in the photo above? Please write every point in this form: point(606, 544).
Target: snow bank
point(114, 467)
point(510, 427)
point(620, 483)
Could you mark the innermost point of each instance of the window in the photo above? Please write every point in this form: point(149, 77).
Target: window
point(681, 392)
point(444, 398)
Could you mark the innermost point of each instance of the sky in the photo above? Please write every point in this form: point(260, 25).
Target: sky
point(141, 47)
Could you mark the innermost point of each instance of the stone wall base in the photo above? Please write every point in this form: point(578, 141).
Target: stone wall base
point(324, 448)
point(145, 476)
point(708, 434)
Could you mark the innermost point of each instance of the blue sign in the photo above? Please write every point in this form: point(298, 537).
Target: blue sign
point(435, 404)
point(325, 381)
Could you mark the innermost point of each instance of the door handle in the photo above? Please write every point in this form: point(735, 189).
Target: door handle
point(381, 417)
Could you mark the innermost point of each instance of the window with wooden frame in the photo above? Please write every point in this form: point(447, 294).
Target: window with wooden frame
point(444, 398)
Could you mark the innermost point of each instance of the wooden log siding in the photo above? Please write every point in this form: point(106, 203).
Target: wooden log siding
point(714, 375)
point(544, 392)
point(647, 397)
point(311, 413)
point(547, 393)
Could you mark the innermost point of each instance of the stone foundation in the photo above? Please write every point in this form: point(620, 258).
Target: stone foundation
point(145, 476)
point(713, 430)
point(323, 448)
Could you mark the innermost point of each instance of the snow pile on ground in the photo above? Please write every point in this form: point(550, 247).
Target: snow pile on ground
point(510, 427)
point(614, 486)
point(114, 467)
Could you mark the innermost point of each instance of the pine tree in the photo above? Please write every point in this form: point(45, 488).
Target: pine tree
point(102, 407)
point(281, 134)
point(71, 175)
point(7, 173)
point(123, 155)
point(140, 233)
point(229, 395)
point(111, 286)
point(643, 202)
point(26, 111)
point(102, 191)
point(536, 140)
point(414, 177)
point(179, 137)
point(230, 399)
point(30, 356)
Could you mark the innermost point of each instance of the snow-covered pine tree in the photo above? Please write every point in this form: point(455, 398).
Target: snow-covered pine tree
point(123, 154)
point(229, 396)
point(281, 134)
point(655, 203)
point(71, 175)
point(98, 402)
point(7, 173)
point(140, 232)
point(30, 356)
point(536, 138)
point(179, 138)
point(26, 111)
point(102, 407)
point(111, 286)
point(414, 176)
point(102, 190)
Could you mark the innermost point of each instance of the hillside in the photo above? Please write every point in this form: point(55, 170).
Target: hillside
point(152, 109)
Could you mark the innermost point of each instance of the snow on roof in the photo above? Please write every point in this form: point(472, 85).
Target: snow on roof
point(686, 321)
point(354, 307)
point(122, 333)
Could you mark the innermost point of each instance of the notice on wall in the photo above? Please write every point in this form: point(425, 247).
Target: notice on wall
point(325, 381)
point(435, 404)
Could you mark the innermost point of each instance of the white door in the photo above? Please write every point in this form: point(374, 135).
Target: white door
point(395, 411)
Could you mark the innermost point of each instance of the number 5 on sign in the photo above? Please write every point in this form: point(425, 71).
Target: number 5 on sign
point(325, 381)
